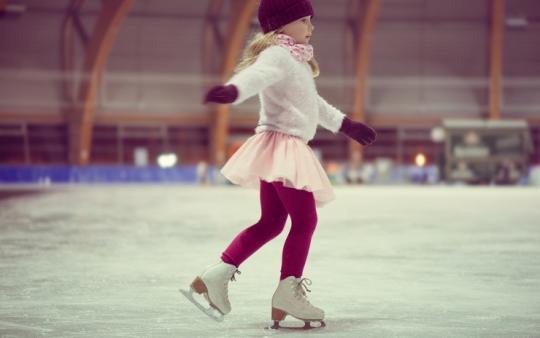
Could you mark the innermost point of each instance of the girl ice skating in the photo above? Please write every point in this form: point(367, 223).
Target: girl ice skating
point(279, 66)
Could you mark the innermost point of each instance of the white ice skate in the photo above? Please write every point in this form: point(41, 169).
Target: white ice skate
point(213, 285)
point(290, 299)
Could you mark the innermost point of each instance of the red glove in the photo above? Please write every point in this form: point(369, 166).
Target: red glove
point(358, 131)
point(222, 94)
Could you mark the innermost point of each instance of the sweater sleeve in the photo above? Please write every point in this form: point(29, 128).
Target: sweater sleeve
point(329, 116)
point(271, 66)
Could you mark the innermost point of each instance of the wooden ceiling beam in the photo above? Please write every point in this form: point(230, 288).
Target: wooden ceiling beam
point(100, 44)
point(496, 58)
point(238, 26)
point(212, 41)
point(67, 51)
point(362, 58)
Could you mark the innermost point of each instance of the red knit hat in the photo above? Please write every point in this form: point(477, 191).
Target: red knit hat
point(274, 14)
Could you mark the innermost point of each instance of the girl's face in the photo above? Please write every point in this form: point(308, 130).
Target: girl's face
point(300, 30)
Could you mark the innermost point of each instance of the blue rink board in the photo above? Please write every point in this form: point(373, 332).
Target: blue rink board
point(96, 174)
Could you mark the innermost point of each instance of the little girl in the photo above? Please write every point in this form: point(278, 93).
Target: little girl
point(280, 67)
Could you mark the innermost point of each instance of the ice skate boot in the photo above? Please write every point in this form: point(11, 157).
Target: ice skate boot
point(290, 299)
point(213, 286)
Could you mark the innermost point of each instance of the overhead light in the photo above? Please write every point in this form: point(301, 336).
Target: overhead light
point(437, 134)
point(167, 160)
point(517, 22)
point(420, 160)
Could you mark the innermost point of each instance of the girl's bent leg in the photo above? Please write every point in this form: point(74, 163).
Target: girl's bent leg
point(271, 223)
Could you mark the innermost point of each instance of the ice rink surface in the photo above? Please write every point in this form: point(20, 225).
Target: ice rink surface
point(108, 261)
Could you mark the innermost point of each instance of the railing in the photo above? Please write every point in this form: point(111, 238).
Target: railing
point(149, 93)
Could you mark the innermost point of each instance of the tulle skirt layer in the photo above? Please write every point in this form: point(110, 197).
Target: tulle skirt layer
point(273, 156)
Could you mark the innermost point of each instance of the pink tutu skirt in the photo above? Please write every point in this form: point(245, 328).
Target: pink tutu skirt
point(273, 156)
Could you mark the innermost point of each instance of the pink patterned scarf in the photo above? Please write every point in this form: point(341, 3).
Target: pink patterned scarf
point(301, 52)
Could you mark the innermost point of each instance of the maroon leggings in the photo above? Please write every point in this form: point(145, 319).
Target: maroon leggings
point(276, 202)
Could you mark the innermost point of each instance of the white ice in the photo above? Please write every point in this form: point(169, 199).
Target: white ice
point(107, 261)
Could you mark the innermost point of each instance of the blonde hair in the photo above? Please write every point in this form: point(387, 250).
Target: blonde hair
point(259, 43)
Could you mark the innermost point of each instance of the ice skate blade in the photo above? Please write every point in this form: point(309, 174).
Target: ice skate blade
point(209, 311)
point(279, 315)
point(307, 326)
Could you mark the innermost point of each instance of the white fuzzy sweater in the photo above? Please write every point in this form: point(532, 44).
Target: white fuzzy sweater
point(289, 99)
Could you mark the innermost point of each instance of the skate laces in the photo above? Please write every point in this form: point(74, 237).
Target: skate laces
point(233, 279)
point(303, 283)
point(302, 287)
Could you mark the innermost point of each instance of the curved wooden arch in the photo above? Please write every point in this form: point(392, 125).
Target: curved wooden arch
point(496, 58)
point(112, 14)
point(211, 38)
point(239, 24)
point(67, 51)
point(351, 32)
point(363, 52)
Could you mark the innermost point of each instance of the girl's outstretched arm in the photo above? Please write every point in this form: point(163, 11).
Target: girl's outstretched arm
point(272, 65)
point(334, 120)
point(361, 133)
point(329, 116)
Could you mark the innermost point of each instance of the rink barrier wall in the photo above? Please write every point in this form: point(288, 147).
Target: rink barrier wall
point(96, 174)
point(46, 174)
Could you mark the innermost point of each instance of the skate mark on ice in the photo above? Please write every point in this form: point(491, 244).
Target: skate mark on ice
point(23, 327)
